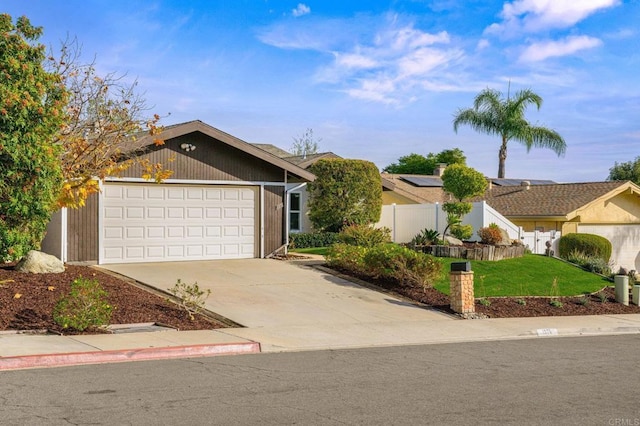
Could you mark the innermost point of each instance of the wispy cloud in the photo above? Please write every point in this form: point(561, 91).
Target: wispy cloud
point(535, 15)
point(548, 49)
point(300, 10)
point(383, 64)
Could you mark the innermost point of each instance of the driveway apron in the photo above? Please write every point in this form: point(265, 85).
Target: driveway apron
point(272, 293)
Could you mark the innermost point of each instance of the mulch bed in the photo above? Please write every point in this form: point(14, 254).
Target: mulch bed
point(601, 303)
point(27, 302)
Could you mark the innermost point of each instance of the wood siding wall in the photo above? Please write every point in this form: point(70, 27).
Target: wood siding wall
point(82, 232)
point(211, 160)
point(274, 218)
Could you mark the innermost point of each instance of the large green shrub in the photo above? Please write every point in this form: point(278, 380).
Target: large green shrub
point(364, 235)
point(32, 111)
point(588, 244)
point(312, 239)
point(344, 192)
point(346, 256)
point(403, 265)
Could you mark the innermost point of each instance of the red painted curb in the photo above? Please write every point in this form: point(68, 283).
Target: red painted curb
point(143, 354)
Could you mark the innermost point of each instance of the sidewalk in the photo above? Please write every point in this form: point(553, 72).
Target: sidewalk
point(19, 351)
point(286, 307)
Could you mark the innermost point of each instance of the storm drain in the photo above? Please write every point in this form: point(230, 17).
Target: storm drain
point(139, 328)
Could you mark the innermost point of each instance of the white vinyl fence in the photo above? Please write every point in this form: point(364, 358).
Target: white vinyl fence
point(406, 220)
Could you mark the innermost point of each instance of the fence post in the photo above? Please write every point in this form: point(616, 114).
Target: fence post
point(393, 221)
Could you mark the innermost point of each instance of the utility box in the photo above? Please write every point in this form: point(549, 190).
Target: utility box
point(622, 289)
point(461, 267)
point(636, 295)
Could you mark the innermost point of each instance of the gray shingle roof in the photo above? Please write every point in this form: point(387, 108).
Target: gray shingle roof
point(546, 200)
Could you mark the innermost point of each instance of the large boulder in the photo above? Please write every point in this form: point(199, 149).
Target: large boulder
point(452, 241)
point(37, 262)
point(506, 240)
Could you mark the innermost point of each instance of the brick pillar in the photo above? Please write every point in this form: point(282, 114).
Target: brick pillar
point(461, 292)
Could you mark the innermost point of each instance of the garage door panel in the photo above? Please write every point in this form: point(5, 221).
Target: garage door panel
point(175, 213)
point(155, 212)
point(113, 213)
point(146, 222)
point(134, 212)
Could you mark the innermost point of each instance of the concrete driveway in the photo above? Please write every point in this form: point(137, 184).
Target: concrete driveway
point(289, 305)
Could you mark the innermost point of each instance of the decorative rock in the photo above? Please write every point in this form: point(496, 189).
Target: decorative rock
point(506, 240)
point(37, 262)
point(452, 241)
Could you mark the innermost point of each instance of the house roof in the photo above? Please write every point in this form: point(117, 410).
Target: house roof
point(278, 152)
point(558, 200)
point(177, 130)
point(428, 193)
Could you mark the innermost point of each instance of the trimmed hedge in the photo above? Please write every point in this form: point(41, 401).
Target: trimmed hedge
point(388, 261)
point(312, 239)
point(588, 244)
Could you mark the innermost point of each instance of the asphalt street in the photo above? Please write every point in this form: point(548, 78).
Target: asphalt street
point(564, 381)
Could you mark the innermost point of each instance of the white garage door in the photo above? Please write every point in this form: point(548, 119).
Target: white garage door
point(152, 223)
point(625, 242)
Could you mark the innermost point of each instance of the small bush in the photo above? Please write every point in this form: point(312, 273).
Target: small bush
point(191, 298)
point(85, 306)
point(346, 256)
point(461, 232)
point(490, 235)
point(425, 237)
point(589, 244)
point(403, 265)
point(312, 239)
point(588, 262)
point(556, 303)
point(364, 235)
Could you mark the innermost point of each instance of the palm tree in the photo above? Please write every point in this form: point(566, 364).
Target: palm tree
point(493, 115)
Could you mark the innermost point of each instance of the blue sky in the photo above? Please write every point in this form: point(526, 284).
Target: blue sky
point(375, 79)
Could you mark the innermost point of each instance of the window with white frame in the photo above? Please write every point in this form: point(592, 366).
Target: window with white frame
point(294, 212)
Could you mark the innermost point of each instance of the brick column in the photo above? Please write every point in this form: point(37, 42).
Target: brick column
point(461, 292)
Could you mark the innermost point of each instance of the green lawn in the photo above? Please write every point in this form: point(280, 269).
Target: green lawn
point(312, 250)
point(531, 275)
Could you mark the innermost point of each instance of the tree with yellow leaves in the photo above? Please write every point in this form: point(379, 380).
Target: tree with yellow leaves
point(105, 118)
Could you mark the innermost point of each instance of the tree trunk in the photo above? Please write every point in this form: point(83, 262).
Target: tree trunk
point(502, 157)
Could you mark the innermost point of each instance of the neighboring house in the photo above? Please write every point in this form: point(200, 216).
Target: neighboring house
point(609, 209)
point(226, 199)
point(418, 189)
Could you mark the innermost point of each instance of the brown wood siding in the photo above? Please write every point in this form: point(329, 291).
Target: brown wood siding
point(82, 232)
point(273, 218)
point(211, 160)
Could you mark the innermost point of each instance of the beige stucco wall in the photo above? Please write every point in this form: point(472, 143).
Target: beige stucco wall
point(392, 197)
point(541, 225)
point(621, 209)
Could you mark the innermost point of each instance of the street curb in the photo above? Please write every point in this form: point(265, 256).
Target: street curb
point(143, 354)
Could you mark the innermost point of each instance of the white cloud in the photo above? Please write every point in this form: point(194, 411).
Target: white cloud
point(301, 10)
point(536, 15)
point(483, 44)
point(355, 61)
point(548, 49)
point(385, 61)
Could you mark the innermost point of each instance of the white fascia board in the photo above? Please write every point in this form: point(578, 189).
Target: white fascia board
point(194, 182)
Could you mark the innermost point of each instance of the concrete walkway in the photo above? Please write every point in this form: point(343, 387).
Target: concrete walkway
point(286, 306)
